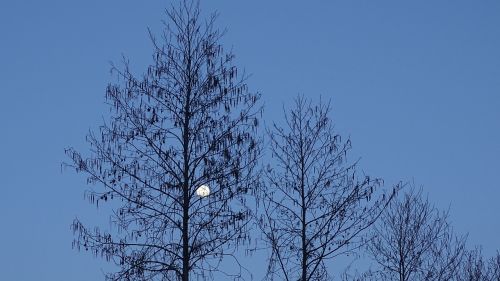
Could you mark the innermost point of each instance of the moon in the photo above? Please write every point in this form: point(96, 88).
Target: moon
point(203, 191)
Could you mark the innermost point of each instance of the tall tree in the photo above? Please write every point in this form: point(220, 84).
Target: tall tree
point(189, 121)
point(414, 241)
point(313, 204)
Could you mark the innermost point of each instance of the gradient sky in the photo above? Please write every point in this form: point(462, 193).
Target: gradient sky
point(415, 84)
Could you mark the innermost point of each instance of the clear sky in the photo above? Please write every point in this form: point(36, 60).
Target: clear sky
point(415, 84)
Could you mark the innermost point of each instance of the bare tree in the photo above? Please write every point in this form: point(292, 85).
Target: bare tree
point(189, 121)
point(414, 241)
point(494, 267)
point(313, 204)
point(475, 267)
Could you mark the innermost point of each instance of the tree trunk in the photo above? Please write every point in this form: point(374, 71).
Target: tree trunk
point(186, 190)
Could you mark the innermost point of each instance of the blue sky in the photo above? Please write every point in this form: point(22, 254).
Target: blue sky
point(415, 84)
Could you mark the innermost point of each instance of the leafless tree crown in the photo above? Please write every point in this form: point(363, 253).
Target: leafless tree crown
point(190, 120)
point(414, 241)
point(475, 267)
point(314, 205)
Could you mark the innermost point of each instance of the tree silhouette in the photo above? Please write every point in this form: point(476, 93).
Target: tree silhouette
point(475, 268)
point(495, 267)
point(414, 241)
point(313, 204)
point(188, 121)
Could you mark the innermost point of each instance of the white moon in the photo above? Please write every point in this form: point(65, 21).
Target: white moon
point(203, 191)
